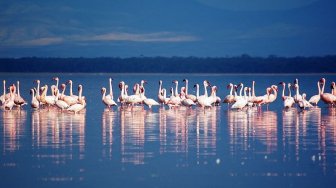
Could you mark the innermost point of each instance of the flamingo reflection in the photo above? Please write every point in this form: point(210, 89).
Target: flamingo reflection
point(108, 121)
point(58, 138)
point(13, 129)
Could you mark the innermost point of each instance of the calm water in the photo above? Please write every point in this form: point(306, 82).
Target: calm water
point(168, 148)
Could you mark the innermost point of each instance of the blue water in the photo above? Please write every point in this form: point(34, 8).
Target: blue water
point(168, 148)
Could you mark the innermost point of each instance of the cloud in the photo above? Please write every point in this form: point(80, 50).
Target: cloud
point(46, 41)
point(23, 39)
point(144, 37)
point(256, 5)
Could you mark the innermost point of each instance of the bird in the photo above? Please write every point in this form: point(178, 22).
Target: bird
point(18, 100)
point(48, 100)
point(241, 102)
point(327, 98)
point(316, 98)
point(81, 102)
point(58, 102)
point(297, 96)
point(5, 96)
point(215, 99)
point(187, 95)
point(34, 102)
point(108, 101)
point(70, 90)
point(303, 103)
point(229, 99)
point(148, 101)
point(9, 103)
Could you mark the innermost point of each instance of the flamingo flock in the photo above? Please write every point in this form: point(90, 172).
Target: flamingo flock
point(40, 99)
point(239, 97)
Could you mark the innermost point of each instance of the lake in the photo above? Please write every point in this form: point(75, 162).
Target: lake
point(184, 147)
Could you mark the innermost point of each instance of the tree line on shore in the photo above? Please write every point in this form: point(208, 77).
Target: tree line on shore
point(238, 64)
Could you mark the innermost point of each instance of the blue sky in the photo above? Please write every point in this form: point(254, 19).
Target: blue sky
point(205, 28)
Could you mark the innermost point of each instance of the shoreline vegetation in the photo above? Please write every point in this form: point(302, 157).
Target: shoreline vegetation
point(239, 64)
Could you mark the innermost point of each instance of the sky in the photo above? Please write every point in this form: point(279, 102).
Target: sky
point(133, 28)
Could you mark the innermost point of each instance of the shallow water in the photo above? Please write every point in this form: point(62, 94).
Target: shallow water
point(168, 148)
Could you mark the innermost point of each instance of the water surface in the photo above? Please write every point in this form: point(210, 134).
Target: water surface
point(168, 148)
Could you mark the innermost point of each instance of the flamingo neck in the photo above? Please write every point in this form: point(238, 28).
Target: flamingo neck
point(241, 90)
point(197, 91)
point(111, 91)
point(283, 90)
point(4, 88)
point(253, 92)
point(297, 91)
point(38, 89)
point(176, 86)
point(164, 94)
point(123, 90)
point(319, 88)
point(18, 86)
point(322, 91)
point(33, 95)
point(186, 92)
point(205, 90)
point(160, 88)
point(71, 89)
point(104, 92)
point(245, 96)
point(231, 90)
point(57, 81)
point(290, 92)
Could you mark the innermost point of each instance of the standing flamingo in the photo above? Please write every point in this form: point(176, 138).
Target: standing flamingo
point(327, 98)
point(316, 98)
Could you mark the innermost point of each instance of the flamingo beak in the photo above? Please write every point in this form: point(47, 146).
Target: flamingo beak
point(195, 85)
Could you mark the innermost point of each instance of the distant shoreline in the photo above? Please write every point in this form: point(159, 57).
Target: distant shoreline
point(180, 65)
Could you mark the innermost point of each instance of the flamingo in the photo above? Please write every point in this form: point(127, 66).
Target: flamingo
point(283, 90)
point(38, 89)
point(60, 103)
point(18, 100)
point(160, 93)
point(123, 94)
point(4, 97)
point(241, 102)
point(257, 100)
point(327, 98)
point(9, 103)
point(57, 82)
point(49, 100)
point(272, 97)
point(174, 101)
point(166, 100)
point(187, 95)
point(34, 102)
point(333, 89)
point(316, 98)
point(148, 101)
point(107, 100)
point(203, 100)
point(297, 96)
point(81, 102)
point(185, 101)
point(229, 99)
point(215, 99)
point(66, 98)
point(289, 100)
point(133, 99)
point(304, 103)
point(71, 94)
